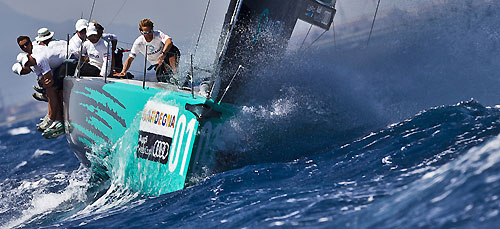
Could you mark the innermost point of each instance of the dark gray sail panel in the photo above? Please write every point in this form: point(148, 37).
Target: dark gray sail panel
point(261, 32)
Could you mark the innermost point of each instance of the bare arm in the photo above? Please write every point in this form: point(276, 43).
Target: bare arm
point(168, 45)
point(126, 65)
point(166, 48)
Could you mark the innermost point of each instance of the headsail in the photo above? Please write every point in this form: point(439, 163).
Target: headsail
point(256, 31)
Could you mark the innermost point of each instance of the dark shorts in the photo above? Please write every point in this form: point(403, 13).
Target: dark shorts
point(89, 70)
point(60, 72)
point(164, 71)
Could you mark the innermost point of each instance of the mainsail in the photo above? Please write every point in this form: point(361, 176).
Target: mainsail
point(256, 31)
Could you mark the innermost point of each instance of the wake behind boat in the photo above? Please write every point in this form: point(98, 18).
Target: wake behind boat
point(160, 133)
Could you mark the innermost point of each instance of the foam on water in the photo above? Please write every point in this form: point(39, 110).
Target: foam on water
point(41, 203)
point(40, 152)
point(318, 145)
point(19, 130)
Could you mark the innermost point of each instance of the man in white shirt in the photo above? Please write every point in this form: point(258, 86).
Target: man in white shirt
point(99, 51)
point(75, 43)
point(56, 52)
point(161, 51)
point(39, 63)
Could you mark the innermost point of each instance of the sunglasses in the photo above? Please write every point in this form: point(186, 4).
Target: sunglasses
point(25, 45)
point(148, 32)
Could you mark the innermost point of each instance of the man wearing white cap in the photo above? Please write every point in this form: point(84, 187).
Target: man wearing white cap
point(75, 43)
point(40, 65)
point(99, 51)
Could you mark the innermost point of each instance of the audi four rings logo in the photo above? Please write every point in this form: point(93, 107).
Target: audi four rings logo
point(160, 150)
point(153, 147)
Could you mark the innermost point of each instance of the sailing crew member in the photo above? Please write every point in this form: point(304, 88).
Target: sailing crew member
point(99, 50)
point(75, 43)
point(44, 36)
point(161, 51)
point(56, 52)
point(39, 62)
point(56, 55)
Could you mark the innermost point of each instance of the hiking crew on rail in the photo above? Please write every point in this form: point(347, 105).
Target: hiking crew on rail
point(51, 59)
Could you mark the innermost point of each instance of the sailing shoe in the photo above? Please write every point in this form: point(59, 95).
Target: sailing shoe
point(129, 75)
point(39, 89)
point(44, 124)
point(55, 130)
point(40, 97)
point(43, 118)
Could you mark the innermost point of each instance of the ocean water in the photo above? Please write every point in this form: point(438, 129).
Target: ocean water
point(436, 169)
point(384, 136)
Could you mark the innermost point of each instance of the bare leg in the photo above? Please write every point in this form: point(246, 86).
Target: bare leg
point(53, 97)
point(53, 101)
point(49, 113)
point(59, 105)
point(173, 63)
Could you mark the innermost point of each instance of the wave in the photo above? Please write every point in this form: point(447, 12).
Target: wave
point(19, 130)
point(436, 168)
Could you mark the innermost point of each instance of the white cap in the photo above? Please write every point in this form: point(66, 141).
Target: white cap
point(44, 34)
point(22, 58)
point(17, 68)
point(91, 30)
point(81, 24)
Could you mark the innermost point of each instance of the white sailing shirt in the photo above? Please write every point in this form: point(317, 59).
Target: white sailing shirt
point(42, 62)
point(57, 53)
point(99, 55)
point(75, 44)
point(54, 54)
point(155, 47)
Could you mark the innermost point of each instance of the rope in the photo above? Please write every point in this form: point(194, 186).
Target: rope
point(317, 39)
point(310, 27)
point(114, 17)
point(373, 23)
point(201, 29)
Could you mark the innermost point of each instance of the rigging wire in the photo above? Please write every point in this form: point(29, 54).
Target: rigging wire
point(127, 43)
point(91, 11)
point(114, 17)
point(312, 43)
point(373, 23)
point(80, 62)
point(334, 35)
point(201, 29)
point(310, 27)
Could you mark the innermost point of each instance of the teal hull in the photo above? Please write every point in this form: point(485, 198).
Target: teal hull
point(151, 140)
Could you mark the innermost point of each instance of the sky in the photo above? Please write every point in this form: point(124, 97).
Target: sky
point(179, 19)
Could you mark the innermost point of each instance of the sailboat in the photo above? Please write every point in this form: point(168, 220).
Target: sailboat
point(171, 127)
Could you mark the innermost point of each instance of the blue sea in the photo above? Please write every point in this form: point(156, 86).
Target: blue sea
point(439, 168)
point(403, 133)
